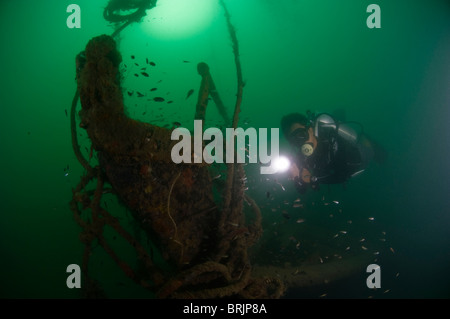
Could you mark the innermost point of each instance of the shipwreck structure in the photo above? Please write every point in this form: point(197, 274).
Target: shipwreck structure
point(205, 238)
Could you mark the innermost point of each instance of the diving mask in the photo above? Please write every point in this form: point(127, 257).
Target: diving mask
point(299, 136)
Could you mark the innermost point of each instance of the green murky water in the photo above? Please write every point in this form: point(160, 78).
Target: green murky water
point(296, 55)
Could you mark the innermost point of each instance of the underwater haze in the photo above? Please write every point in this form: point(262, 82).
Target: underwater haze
point(296, 55)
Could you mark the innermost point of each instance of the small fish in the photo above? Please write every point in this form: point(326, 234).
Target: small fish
point(136, 75)
point(139, 94)
point(392, 250)
point(158, 99)
point(371, 218)
point(297, 205)
point(321, 260)
point(169, 102)
point(145, 74)
point(268, 194)
point(364, 248)
point(322, 295)
point(300, 220)
point(152, 63)
point(132, 57)
point(136, 64)
point(343, 232)
point(66, 112)
point(176, 124)
point(189, 93)
point(184, 61)
point(285, 214)
point(153, 89)
point(146, 60)
point(130, 93)
point(143, 69)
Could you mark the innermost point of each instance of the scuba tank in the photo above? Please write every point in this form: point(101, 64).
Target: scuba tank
point(344, 129)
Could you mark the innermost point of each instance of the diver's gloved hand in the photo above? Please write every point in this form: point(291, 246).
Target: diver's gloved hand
point(300, 185)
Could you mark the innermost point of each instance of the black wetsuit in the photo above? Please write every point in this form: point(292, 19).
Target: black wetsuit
point(334, 160)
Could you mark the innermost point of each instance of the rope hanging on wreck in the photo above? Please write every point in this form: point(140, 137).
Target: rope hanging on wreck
point(112, 14)
point(237, 109)
point(114, 9)
point(100, 217)
point(231, 264)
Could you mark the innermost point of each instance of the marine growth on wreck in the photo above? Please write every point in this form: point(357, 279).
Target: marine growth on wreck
point(210, 236)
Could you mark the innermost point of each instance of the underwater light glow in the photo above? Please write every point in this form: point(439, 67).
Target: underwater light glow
point(281, 164)
point(176, 19)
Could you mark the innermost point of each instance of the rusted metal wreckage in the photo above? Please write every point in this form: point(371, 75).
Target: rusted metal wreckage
point(205, 238)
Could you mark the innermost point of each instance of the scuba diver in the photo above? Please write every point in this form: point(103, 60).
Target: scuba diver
point(327, 151)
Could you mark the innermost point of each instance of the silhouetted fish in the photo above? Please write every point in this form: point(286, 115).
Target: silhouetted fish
point(158, 99)
point(169, 102)
point(152, 63)
point(65, 111)
point(153, 89)
point(189, 93)
point(176, 124)
point(130, 93)
point(136, 75)
point(145, 74)
point(146, 60)
point(139, 94)
point(285, 215)
point(132, 57)
point(186, 61)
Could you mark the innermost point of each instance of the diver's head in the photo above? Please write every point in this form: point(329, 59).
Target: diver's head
point(297, 130)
